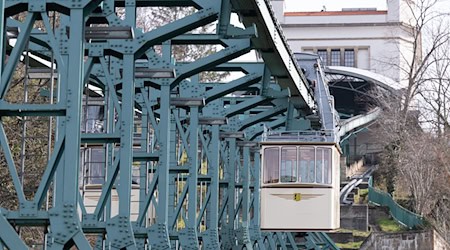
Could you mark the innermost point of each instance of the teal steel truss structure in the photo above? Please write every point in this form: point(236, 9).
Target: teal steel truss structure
point(177, 163)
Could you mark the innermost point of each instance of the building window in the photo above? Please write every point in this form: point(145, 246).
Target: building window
point(349, 58)
point(323, 54)
point(335, 57)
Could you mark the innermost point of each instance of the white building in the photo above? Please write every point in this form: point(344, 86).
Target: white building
point(376, 40)
point(367, 38)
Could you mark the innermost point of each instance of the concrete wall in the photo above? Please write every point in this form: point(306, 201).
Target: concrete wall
point(355, 217)
point(417, 240)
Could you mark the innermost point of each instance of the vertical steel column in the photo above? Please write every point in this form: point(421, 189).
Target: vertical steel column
point(245, 179)
point(51, 119)
point(74, 96)
point(120, 228)
point(242, 232)
point(158, 234)
point(188, 236)
point(143, 169)
point(60, 133)
point(173, 195)
point(228, 238)
point(211, 235)
point(102, 243)
point(160, 230)
point(255, 231)
point(124, 238)
point(111, 128)
point(126, 136)
point(126, 126)
point(69, 228)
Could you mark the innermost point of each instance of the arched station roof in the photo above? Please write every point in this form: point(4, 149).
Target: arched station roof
point(369, 76)
point(357, 81)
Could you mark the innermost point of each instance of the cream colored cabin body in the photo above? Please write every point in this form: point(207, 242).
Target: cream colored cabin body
point(300, 186)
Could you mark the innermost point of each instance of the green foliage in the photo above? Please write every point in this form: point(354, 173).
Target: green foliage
point(362, 196)
point(350, 245)
point(390, 226)
point(355, 233)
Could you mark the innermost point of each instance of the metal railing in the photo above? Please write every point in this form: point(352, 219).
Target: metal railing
point(303, 136)
point(399, 213)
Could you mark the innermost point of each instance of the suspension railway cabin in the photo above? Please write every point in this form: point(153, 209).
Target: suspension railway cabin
point(300, 186)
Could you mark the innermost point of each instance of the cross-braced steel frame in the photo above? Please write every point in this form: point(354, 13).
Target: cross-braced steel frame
point(179, 162)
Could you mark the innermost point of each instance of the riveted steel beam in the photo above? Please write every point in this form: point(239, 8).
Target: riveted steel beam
point(146, 154)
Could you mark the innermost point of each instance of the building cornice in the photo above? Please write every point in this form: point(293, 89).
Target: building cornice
point(350, 39)
point(372, 24)
point(337, 13)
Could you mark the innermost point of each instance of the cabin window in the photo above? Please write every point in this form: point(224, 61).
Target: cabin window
point(323, 165)
point(327, 165)
point(319, 165)
point(306, 165)
point(93, 164)
point(271, 165)
point(93, 119)
point(288, 164)
point(297, 164)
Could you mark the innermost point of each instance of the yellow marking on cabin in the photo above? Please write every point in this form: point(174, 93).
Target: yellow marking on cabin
point(298, 196)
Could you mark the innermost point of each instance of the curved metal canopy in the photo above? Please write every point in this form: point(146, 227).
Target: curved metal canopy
point(380, 80)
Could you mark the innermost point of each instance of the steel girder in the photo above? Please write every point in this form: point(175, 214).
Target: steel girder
point(198, 177)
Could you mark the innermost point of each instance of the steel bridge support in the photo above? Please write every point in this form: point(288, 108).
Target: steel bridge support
point(145, 153)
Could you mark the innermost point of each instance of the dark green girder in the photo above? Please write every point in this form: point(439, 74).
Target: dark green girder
point(197, 183)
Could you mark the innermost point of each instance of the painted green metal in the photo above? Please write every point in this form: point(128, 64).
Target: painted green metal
point(2, 34)
point(195, 188)
point(402, 215)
